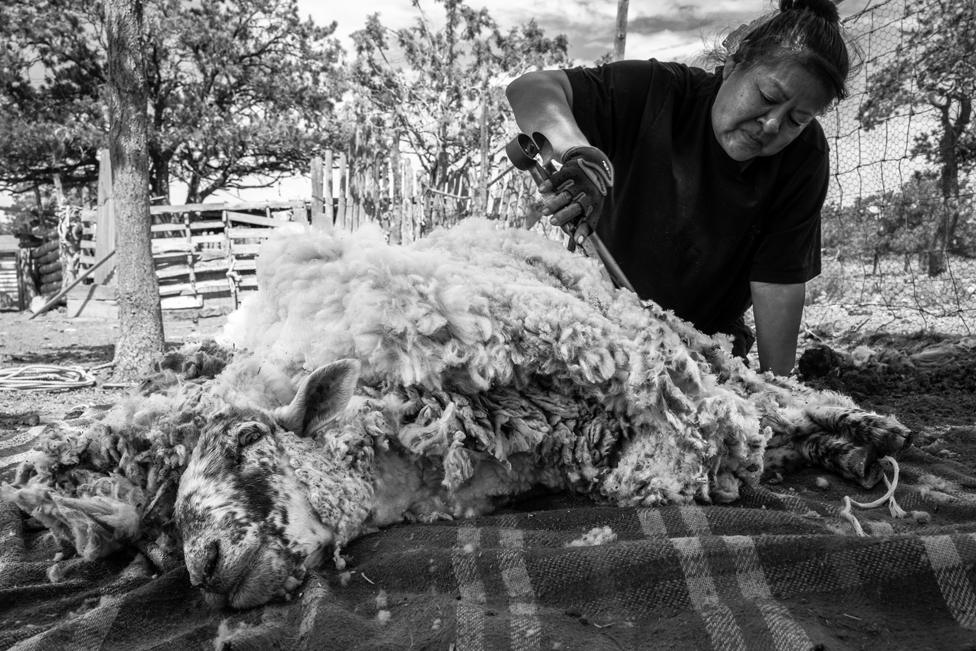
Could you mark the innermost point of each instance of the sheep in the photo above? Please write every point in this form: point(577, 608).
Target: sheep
point(372, 384)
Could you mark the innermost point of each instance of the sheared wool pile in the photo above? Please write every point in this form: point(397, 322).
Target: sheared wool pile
point(496, 342)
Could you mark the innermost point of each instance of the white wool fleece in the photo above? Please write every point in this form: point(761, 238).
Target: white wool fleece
point(476, 308)
point(447, 306)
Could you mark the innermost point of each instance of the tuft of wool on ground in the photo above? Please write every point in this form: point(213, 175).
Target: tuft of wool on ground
point(494, 358)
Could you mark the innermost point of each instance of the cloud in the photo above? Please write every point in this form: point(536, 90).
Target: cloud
point(689, 21)
point(665, 29)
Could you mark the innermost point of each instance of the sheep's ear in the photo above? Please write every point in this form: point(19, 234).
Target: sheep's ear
point(320, 398)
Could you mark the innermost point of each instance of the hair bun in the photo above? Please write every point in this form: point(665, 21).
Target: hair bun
point(825, 9)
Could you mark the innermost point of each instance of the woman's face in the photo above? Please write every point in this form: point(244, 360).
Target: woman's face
point(760, 110)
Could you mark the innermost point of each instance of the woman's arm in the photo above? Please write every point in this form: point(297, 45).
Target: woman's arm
point(777, 309)
point(543, 102)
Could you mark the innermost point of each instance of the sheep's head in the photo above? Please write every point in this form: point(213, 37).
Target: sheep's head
point(249, 528)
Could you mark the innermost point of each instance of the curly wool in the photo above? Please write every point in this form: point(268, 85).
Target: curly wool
point(477, 344)
point(109, 477)
point(509, 325)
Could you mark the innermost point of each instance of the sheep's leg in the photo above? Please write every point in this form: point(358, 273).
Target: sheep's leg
point(845, 440)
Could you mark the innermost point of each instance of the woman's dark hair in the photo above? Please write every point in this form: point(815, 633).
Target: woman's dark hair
point(805, 31)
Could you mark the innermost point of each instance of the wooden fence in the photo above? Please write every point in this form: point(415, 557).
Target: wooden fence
point(393, 193)
point(11, 295)
point(204, 252)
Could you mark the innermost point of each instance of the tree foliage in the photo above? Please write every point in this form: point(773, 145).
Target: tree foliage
point(51, 73)
point(894, 222)
point(441, 91)
point(238, 89)
point(933, 70)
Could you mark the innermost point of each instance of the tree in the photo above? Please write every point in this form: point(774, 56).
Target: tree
point(441, 92)
point(51, 73)
point(934, 69)
point(889, 222)
point(239, 92)
point(140, 316)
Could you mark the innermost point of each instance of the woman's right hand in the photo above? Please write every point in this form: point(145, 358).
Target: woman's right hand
point(575, 194)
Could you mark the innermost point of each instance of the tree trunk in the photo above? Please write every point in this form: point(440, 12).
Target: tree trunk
point(140, 316)
point(159, 175)
point(944, 229)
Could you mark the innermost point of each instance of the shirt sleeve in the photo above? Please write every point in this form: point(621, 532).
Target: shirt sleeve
point(610, 100)
point(789, 243)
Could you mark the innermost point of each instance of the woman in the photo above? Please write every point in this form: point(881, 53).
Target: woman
point(706, 187)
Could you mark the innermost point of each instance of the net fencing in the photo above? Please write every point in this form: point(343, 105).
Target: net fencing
point(899, 227)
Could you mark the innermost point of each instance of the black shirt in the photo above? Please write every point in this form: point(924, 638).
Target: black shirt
point(690, 226)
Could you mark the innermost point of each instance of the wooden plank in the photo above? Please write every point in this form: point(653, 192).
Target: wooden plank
point(207, 225)
point(212, 266)
point(181, 302)
point(167, 228)
point(166, 256)
point(249, 233)
point(201, 225)
point(213, 286)
point(175, 271)
point(246, 249)
point(256, 220)
point(170, 290)
point(166, 245)
point(208, 286)
point(217, 207)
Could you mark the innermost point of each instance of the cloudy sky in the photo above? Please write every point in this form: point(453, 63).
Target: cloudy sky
point(664, 29)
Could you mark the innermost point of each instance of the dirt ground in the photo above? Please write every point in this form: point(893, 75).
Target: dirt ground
point(88, 343)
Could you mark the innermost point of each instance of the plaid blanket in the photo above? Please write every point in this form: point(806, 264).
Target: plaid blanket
point(778, 570)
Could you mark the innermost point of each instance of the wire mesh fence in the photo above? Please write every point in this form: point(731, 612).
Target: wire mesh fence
point(899, 226)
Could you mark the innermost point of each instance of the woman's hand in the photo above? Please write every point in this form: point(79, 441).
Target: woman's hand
point(574, 195)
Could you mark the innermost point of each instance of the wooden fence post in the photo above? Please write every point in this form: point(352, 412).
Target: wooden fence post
point(105, 226)
point(343, 190)
point(407, 197)
point(317, 216)
point(327, 189)
point(375, 193)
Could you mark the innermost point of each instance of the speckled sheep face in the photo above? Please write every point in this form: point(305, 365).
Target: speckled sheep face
point(249, 529)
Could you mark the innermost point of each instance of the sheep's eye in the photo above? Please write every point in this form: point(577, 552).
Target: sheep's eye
point(249, 433)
